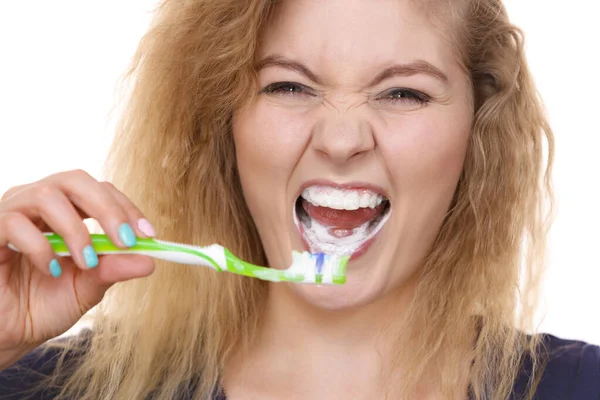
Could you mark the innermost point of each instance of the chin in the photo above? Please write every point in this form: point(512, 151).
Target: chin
point(371, 275)
point(352, 295)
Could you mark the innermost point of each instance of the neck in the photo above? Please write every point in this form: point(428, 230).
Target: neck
point(321, 353)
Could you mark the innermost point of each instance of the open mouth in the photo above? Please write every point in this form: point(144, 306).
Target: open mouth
point(340, 221)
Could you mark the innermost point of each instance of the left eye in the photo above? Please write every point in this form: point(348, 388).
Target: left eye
point(287, 89)
point(400, 95)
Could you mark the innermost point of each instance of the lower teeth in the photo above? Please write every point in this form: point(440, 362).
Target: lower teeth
point(340, 232)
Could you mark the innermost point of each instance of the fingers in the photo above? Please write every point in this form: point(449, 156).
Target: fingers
point(11, 191)
point(17, 229)
point(142, 226)
point(58, 212)
point(61, 200)
point(92, 197)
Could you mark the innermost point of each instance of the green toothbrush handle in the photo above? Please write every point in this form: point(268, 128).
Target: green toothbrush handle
point(241, 267)
point(160, 249)
point(103, 245)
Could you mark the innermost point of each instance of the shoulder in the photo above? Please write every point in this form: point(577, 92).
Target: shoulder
point(31, 377)
point(571, 370)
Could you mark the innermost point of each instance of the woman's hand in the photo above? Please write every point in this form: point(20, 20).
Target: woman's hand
point(42, 296)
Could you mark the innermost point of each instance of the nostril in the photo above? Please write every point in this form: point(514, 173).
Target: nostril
point(343, 139)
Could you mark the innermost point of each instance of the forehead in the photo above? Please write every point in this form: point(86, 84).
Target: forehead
point(354, 34)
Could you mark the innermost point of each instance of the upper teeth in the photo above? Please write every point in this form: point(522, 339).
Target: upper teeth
point(341, 199)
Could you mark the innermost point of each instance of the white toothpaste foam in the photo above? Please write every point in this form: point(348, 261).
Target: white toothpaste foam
point(318, 233)
point(320, 240)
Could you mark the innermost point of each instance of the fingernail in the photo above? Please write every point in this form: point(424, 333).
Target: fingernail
point(126, 235)
point(55, 269)
point(90, 256)
point(146, 227)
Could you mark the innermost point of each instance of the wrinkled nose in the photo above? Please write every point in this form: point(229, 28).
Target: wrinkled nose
point(343, 137)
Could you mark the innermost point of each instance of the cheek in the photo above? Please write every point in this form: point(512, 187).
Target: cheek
point(269, 142)
point(425, 154)
point(424, 157)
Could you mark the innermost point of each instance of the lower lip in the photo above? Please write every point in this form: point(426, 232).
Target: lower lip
point(355, 255)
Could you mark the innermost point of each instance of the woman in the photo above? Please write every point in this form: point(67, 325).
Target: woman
point(250, 124)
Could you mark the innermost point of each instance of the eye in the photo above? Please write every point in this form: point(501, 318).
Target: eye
point(287, 89)
point(400, 96)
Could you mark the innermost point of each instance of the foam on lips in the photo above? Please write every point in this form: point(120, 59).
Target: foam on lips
point(339, 221)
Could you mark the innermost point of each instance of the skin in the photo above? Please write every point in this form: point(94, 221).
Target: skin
point(343, 129)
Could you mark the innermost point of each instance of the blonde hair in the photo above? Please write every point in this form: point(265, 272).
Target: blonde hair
point(173, 155)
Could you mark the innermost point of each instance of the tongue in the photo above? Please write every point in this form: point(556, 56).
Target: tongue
point(341, 219)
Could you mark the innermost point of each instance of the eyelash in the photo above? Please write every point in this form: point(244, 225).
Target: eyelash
point(296, 89)
point(406, 95)
point(283, 89)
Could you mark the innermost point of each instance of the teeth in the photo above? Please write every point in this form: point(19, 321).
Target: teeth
point(341, 199)
point(364, 201)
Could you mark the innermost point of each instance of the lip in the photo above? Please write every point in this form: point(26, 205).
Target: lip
point(346, 186)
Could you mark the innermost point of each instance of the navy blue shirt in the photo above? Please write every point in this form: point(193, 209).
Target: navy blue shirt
point(572, 373)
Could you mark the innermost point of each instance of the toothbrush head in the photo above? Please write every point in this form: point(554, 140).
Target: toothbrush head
point(319, 268)
point(315, 268)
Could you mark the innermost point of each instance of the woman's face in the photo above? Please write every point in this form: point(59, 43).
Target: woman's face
point(356, 141)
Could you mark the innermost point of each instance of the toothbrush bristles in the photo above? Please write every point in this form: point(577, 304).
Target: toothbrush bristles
point(322, 268)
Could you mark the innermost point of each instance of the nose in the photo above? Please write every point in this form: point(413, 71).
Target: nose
point(342, 137)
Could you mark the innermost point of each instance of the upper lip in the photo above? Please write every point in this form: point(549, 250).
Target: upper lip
point(346, 185)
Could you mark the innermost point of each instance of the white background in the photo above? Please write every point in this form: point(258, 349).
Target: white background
point(60, 61)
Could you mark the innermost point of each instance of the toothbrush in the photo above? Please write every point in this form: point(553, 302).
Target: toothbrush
point(318, 268)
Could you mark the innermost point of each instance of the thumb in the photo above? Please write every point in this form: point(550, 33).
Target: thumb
point(91, 285)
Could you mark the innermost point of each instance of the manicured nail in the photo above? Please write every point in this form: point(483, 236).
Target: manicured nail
point(90, 256)
point(146, 227)
point(55, 269)
point(126, 235)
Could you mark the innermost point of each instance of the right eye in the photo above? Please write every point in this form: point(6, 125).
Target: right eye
point(287, 89)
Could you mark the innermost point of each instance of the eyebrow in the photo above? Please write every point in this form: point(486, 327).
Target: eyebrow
point(412, 68)
point(279, 61)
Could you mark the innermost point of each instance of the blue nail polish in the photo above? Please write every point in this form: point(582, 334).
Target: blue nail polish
point(90, 256)
point(126, 235)
point(55, 269)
